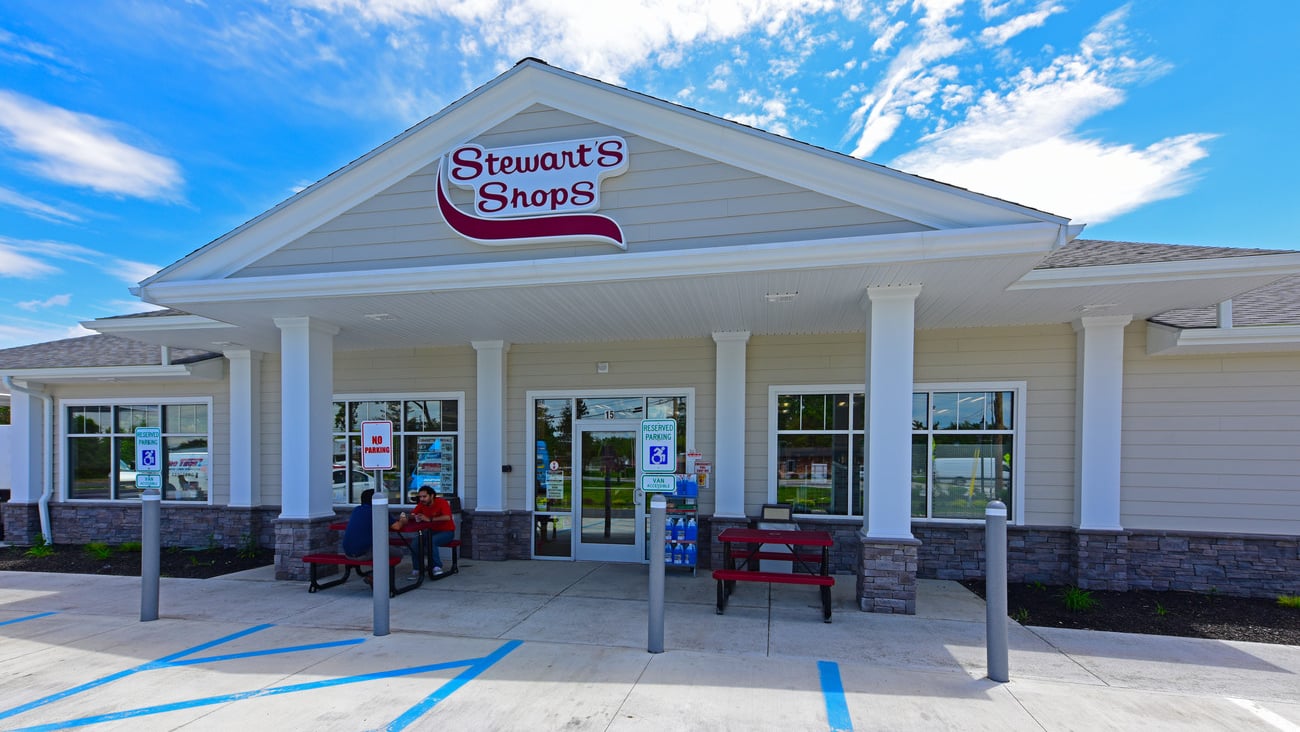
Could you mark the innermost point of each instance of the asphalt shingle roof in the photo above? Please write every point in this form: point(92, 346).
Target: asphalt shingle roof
point(1098, 253)
point(94, 350)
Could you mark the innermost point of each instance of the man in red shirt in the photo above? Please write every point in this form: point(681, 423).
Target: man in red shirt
point(434, 513)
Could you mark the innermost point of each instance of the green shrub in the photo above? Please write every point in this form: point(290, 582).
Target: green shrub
point(129, 546)
point(1161, 610)
point(248, 546)
point(40, 548)
point(99, 550)
point(1291, 601)
point(1021, 615)
point(1077, 600)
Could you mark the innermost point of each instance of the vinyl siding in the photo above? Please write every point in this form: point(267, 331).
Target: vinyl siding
point(1210, 443)
point(1044, 358)
point(667, 199)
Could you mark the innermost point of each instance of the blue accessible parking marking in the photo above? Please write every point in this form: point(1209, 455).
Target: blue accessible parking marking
point(837, 711)
point(29, 617)
point(473, 667)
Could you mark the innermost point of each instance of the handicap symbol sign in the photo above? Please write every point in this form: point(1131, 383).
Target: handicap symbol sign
point(148, 460)
point(658, 455)
point(659, 445)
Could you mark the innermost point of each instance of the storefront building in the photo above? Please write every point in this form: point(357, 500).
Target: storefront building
point(520, 280)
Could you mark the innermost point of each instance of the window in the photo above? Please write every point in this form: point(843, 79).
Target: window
point(819, 448)
point(426, 439)
point(963, 450)
point(101, 450)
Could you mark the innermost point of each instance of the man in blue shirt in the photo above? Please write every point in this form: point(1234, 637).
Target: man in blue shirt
point(359, 538)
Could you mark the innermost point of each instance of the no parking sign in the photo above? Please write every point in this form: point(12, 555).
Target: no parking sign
point(376, 445)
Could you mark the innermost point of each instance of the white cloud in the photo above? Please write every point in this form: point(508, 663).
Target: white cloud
point(28, 259)
point(32, 207)
point(906, 81)
point(1021, 138)
point(14, 263)
point(84, 151)
point(1000, 34)
point(603, 40)
point(54, 301)
point(132, 272)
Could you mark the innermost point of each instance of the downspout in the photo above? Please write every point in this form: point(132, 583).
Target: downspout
point(47, 488)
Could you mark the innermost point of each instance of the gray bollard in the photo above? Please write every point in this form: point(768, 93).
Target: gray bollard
point(150, 552)
point(658, 513)
point(379, 577)
point(995, 589)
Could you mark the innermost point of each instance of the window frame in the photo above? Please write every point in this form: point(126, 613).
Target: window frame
point(1019, 430)
point(65, 478)
point(399, 433)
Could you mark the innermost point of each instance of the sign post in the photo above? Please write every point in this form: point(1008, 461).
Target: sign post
point(377, 455)
point(148, 478)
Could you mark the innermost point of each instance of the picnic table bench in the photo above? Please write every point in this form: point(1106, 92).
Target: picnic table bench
point(752, 552)
point(315, 561)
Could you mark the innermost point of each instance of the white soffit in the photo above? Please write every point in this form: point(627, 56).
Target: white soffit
point(1164, 340)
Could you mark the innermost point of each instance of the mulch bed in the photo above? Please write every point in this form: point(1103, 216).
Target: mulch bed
point(1185, 614)
point(195, 563)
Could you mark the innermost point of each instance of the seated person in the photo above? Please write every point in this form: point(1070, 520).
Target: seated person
point(434, 513)
point(358, 538)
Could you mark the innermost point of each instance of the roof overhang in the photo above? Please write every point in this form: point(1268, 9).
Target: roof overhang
point(619, 296)
point(1164, 340)
point(212, 369)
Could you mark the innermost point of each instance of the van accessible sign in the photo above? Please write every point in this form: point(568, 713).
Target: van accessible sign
point(533, 193)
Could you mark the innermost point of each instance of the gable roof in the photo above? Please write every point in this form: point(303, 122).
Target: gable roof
point(532, 82)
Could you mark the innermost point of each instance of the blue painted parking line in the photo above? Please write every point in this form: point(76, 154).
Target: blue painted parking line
point(171, 660)
point(29, 617)
point(837, 710)
point(475, 667)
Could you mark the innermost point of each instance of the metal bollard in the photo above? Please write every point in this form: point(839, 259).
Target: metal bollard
point(150, 552)
point(658, 512)
point(379, 575)
point(995, 589)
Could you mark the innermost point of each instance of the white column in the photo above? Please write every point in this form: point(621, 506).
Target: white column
point(26, 456)
point(891, 339)
point(306, 417)
point(729, 426)
point(1099, 398)
point(245, 427)
point(491, 432)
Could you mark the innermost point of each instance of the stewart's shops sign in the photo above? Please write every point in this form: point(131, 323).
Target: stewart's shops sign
point(533, 193)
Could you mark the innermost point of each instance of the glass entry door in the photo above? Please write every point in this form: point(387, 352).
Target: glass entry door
point(611, 506)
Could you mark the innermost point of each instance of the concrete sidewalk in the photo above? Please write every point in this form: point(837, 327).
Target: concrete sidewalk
point(562, 645)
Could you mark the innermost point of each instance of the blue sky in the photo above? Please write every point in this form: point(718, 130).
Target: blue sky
point(134, 131)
